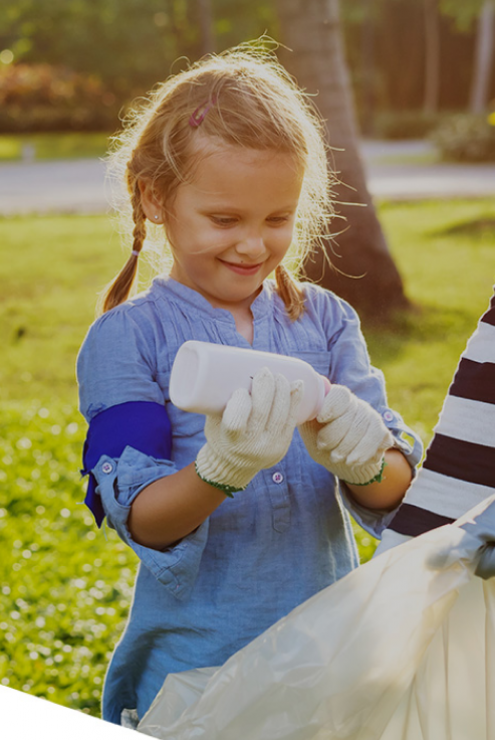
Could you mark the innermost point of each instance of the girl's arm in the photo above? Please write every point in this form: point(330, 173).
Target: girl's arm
point(254, 432)
point(389, 492)
point(350, 439)
point(171, 508)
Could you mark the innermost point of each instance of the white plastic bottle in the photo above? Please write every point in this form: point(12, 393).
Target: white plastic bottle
point(204, 377)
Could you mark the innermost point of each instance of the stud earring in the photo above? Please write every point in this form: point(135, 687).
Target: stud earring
point(156, 217)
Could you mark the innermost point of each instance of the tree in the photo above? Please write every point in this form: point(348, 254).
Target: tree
point(206, 25)
point(368, 65)
point(464, 12)
point(432, 56)
point(485, 43)
point(311, 28)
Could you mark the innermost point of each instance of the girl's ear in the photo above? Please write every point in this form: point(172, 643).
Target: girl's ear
point(151, 207)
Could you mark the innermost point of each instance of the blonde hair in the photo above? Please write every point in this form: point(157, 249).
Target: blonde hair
point(250, 101)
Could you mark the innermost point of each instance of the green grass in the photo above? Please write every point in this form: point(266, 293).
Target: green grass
point(52, 269)
point(64, 590)
point(448, 265)
point(13, 147)
point(423, 159)
point(64, 586)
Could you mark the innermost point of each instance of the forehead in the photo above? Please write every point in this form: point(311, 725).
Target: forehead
point(233, 173)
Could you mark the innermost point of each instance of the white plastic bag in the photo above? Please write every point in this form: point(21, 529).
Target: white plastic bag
point(403, 648)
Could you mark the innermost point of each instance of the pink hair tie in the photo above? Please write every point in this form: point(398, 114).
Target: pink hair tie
point(201, 112)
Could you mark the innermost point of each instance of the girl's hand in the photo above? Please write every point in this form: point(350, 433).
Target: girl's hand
point(348, 437)
point(254, 432)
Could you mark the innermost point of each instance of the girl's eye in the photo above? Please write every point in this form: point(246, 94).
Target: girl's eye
point(223, 220)
point(278, 220)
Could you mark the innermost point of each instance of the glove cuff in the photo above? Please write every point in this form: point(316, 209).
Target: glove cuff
point(220, 474)
point(363, 475)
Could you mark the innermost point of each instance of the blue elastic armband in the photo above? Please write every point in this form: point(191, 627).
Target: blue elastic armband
point(143, 425)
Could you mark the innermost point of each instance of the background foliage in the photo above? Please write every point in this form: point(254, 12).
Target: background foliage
point(121, 48)
point(466, 138)
point(129, 45)
point(41, 97)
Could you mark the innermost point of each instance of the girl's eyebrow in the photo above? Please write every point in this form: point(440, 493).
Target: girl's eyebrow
point(222, 208)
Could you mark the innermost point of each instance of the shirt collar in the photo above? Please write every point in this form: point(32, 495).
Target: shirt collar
point(183, 293)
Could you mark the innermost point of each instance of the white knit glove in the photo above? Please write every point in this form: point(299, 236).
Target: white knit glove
point(353, 439)
point(254, 432)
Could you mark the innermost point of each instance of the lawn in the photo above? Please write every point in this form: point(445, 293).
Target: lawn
point(15, 147)
point(65, 587)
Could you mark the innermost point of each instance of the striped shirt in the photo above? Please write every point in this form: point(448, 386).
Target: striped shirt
point(459, 468)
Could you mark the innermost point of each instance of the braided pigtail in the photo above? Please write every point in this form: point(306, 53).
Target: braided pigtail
point(290, 292)
point(120, 289)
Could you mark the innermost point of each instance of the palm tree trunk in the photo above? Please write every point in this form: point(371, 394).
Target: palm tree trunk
point(311, 29)
point(485, 43)
point(205, 17)
point(432, 57)
point(368, 68)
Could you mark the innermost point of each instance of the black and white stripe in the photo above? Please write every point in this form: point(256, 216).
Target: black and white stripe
point(459, 468)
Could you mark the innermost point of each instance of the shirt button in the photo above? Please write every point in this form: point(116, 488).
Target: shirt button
point(388, 416)
point(277, 477)
point(107, 467)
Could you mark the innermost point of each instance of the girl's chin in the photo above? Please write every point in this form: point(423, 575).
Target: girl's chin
point(233, 299)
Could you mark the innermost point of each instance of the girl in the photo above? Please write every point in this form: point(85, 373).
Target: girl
point(236, 518)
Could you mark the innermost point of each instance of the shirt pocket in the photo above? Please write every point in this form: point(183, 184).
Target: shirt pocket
point(320, 360)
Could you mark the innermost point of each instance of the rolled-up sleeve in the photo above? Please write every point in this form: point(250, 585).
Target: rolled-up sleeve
point(119, 481)
point(116, 373)
point(351, 366)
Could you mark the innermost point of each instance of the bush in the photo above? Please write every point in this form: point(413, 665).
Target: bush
point(465, 138)
point(413, 124)
point(41, 97)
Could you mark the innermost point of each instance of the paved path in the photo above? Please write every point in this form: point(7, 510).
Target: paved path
point(71, 186)
point(394, 174)
point(416, 182)
point(79, 186)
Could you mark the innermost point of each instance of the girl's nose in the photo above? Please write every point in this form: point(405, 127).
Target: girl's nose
point(251, 247)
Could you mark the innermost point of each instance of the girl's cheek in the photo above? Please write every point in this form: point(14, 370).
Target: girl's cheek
point(285, 237)
point(215, 242)
point(220, 238)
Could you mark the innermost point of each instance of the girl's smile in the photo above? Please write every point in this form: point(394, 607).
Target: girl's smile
point(242, 269)
point(232, 225)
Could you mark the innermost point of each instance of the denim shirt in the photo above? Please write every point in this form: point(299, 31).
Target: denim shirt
point(260, 554)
